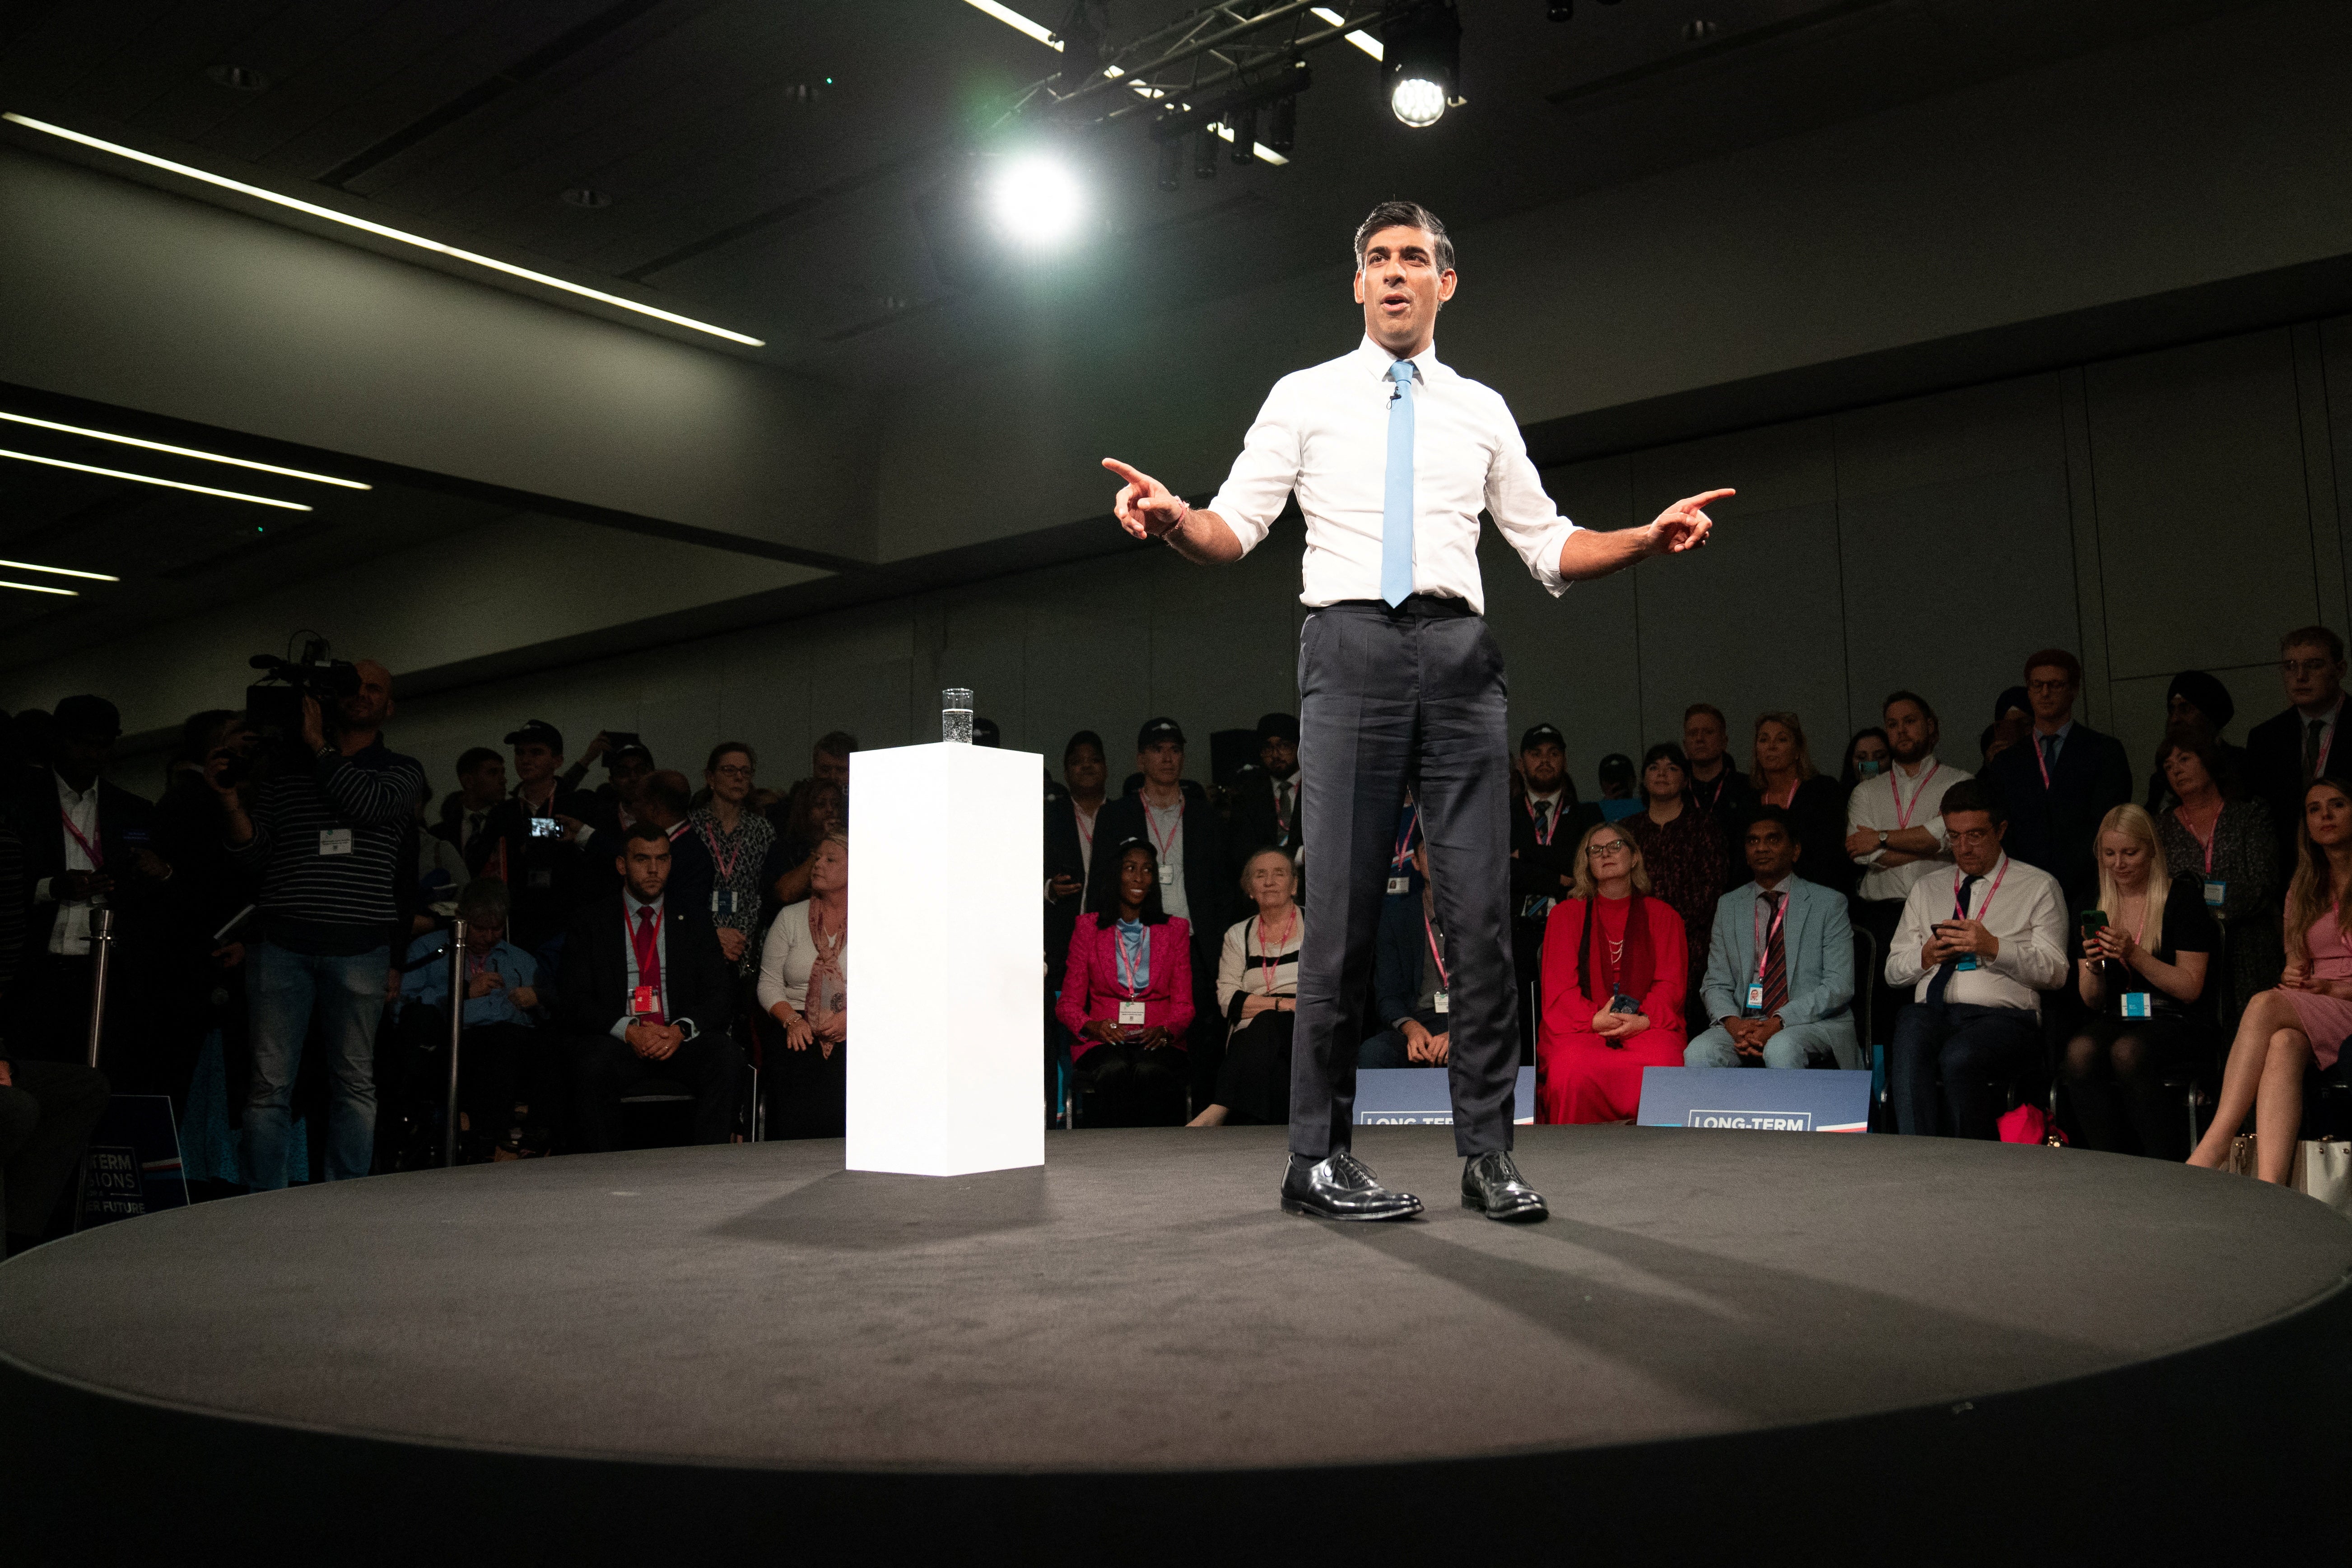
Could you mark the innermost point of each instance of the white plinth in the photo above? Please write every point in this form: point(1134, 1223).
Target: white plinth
point(945, 988)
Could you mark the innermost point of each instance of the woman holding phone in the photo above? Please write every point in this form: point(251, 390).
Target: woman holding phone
point(1127, 992)
point(2140, 966)
point(1614, 970)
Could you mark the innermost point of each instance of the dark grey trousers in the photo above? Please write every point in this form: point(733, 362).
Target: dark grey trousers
point(1389, 698)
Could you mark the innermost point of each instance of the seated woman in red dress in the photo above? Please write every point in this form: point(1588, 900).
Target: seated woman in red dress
point(2306, 1017)
point(1614, 970)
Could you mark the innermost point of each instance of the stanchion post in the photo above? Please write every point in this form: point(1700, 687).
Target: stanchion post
point(456, 1025)
point(101, 944)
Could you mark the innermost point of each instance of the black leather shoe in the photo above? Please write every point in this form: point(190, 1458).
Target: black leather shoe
point(1341, 1187)
point(1491, 1184)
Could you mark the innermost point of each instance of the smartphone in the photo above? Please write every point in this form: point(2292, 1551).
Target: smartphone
point(546, 827)
point(2093, 921)
point(1620, 1003)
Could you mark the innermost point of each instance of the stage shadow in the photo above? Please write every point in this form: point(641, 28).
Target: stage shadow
point(867, 1210)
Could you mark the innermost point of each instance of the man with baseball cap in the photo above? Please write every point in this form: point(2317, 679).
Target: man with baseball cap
point(532, 841)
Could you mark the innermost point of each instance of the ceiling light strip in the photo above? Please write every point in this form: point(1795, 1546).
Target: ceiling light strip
point(180, 451)
point(1265, 154)
point(381, 230)
point(37, 588)
point(1017, 22)
point(1361, 38)
point(151, 480)
point(58, 571)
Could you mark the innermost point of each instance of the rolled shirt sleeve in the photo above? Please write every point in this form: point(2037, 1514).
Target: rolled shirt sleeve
point(1262, 476)
point(1521, 507)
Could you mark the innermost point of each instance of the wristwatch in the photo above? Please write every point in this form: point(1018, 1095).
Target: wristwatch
point(1882, 839)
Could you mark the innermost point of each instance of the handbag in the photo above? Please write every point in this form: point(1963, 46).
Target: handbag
point(2029, 1124)
point(2323, 1168)
point(2241, 1155)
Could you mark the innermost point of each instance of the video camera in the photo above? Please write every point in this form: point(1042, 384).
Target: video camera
point(274, 705)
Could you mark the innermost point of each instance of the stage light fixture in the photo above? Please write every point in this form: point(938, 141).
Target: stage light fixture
point(1204, 154)
point(1283, 135)
point(1036, 200)
point(58, 571)
point(1172, 165)
point(1423, 54)
point(151, 480)
point(180, 451)
point(381, 230)
point(37, 588)
point(1359, 37)
point(1245, 131)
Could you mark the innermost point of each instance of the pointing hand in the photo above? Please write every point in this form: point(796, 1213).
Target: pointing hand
point(1144, 506)
point(1684, 525)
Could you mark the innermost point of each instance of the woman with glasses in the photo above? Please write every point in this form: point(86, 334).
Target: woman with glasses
point(743, 845)
point(1615, 968)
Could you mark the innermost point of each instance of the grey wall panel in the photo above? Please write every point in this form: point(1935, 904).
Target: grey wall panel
point(1570, 661)
point(1974, 430)
point(2204, 515)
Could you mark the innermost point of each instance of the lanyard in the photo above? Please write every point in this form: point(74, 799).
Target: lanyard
point(2206, 839)
point(1959, 878)
point(1764, 938)
point(1152, 827)
point(1445, 980)
point(97, 855)
point(1785, 805)
point(1715, 796)
point(2327, 745)
point(1086, 829)
point(725, 865)
point(1895, 782)
point(1404, 842)
point(1544, 836)
point(1268, 961)
point(2035, 737)
point(647, 942)
point(1127, 980)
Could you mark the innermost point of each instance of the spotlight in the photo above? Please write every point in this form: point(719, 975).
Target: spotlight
point(1245, 135)
point(1283, 134)
point(1036, 201)
point(1204, 154)
point(1421, 56)
point(1560, 10)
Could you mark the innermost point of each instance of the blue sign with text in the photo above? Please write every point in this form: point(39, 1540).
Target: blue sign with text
point(1419, 1096)
point(1757, 1099)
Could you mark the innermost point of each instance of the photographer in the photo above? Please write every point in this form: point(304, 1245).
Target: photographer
point(531, 840)
point(324, 832)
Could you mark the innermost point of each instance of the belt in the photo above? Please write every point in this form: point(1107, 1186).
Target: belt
point(1422, 606)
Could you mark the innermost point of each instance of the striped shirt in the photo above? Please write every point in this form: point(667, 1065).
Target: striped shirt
point(328, 839)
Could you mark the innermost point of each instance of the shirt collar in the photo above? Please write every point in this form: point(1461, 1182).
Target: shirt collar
point(1925, 763)
point(70, 795)
point(629, 898)
point(2059, 735)
point(1989, 879)
point(1780, 887)
point(1376, 359)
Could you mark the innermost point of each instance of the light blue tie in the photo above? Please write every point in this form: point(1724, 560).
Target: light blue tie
point(1396, 516)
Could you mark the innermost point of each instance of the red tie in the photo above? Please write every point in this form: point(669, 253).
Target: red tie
point(646, 939)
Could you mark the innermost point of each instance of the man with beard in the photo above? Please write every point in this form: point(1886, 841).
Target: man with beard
point(1894, 830)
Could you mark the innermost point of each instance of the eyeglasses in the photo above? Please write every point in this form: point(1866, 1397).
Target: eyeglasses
point(1595, 850)
point(2306, 666)
point(732, 770)
point(1972, 836)
point(2048, 687)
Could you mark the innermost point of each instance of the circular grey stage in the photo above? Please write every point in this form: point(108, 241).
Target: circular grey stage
point(1750, 1304)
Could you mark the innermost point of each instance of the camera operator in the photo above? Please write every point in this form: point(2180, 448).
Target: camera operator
point(531, 840)
point(327, 830)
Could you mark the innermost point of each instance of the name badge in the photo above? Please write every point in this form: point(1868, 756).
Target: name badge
point(644, 1001)
point(1965, 962)
point(1437, 1001)
point(334, 841)
point(1755, 998)
point(723, 902)
point(2215, 892)
point(1167, 875)
point(2138, 1005)
point(1400, 884)
point(1130, 1012)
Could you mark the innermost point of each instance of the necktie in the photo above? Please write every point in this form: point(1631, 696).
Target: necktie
point(1944, 971)
point(648, 945)
point(1543, 818)
point(1396, 516)
point(2049, 752)
point(2311, 749)
point(1775, 957)
point(1282, 809)
point(473, 826)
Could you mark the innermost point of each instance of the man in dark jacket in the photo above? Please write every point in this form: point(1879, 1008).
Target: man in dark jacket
point(1546, 828)
point(2287, 752)
point(645, 993)
point(2060, 781)
point(535, 841)
point(1266, 797)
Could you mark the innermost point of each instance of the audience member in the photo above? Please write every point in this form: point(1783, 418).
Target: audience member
point(1615, 772)
point(509, 1081)
point(644, 993)
point(984, 732)
point(46, 1109)
point(2013, 720)
point(1266, 808)
point(627, 765)
point(2283, 1032)
point(2196, 705)
point(1783, 775)
point(1895, 832)
point(87, 846)
point(2287, 750)
point(2060, 783)
point(1411, 966)
point(1779, 970)
point(665, 802)
point(1257, 993)
point(1682, 850)
point(481, 786)
point(323, 833)
point(1979, 948)
point(1070, 817)
point(1544, 832)
point(1867, 756)
point(203, 894)
point(2224, 838)
point(2140, 968)
point(534, 841)
point(1127, 992)
point(1720, 789)
point(1613, 968)
point(741, 846)
point(804, 989)
point(816, 807)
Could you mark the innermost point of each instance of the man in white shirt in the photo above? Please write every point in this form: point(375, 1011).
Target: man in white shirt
point(1976, 943)
point(1894, 825)
point(1392, 456)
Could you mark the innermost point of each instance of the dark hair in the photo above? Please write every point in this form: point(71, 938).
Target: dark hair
point(1405, 214)
point(1083, 738)
point(724, 747)
point(1848, 775)
point(473, 757)
point(644, 827)
point(2056, 658)
point(835, 743)
point(1907, 696)
point(200, 733)
point(1105, 893)
point(670, 789)
point(1973, 794)
point(2205, 749)
point(1710, 708)
point(1666, 751)
point(1762, 813)
point(2314, 636)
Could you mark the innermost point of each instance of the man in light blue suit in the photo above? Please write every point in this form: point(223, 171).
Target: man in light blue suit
point(1780, 968)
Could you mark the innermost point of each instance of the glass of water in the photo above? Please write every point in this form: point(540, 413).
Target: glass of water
point(955, 714)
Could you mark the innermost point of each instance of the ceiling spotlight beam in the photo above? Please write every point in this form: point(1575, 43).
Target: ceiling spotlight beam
point(180, 451)
point(152, 480)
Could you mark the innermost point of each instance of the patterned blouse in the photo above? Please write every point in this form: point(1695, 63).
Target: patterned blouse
point(739, 865)
point(2245, 857)
point(1688, 865)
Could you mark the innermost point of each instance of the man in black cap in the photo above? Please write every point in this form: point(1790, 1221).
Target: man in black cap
point(1265, 803)
point(1545, 830)
point(86, 847)
point(1196, 880)
point(627, 765)
point(533, 840)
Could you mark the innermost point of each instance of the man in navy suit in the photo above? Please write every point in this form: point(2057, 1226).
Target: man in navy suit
point(1780, 968)
point(2287, 752)
point(2061, 780)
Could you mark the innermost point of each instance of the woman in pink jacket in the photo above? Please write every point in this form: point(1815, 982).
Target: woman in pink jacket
point(1127, 995)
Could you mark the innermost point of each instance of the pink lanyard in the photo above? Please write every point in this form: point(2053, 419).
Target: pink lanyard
point(1444, 982)
point(2033, 738)
point(1269, 963)
point(1764, 938)
point(2205, 840)
point(1903, 812)
point(1086, 828)
point(1404, 842)
point(1961, 914)
point(97, 857)
point(1544, 836)
point(726, 866)
point(1152, 828)
point(1783, 804)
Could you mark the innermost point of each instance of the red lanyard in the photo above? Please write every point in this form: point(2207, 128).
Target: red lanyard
point(1444, 982)
point(724, 865)
point(1127, 981)
point(1959, 913)
point(1763, 937)
point(1269, 961)
point(2035, 739)
point(1545, 835)
point(97, 857)
point(645, 939)
point(1404, 842)
point(2208, 837)
point(1895, 782)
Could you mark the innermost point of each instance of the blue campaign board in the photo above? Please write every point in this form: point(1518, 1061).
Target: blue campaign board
point(1419, 1096)
point(133, 1166)
point(1756, 1099)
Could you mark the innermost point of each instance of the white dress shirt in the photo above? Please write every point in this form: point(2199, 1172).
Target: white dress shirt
point(2026, 914)
point(1895, 800)
point(1324, 432)
point(69, 933)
